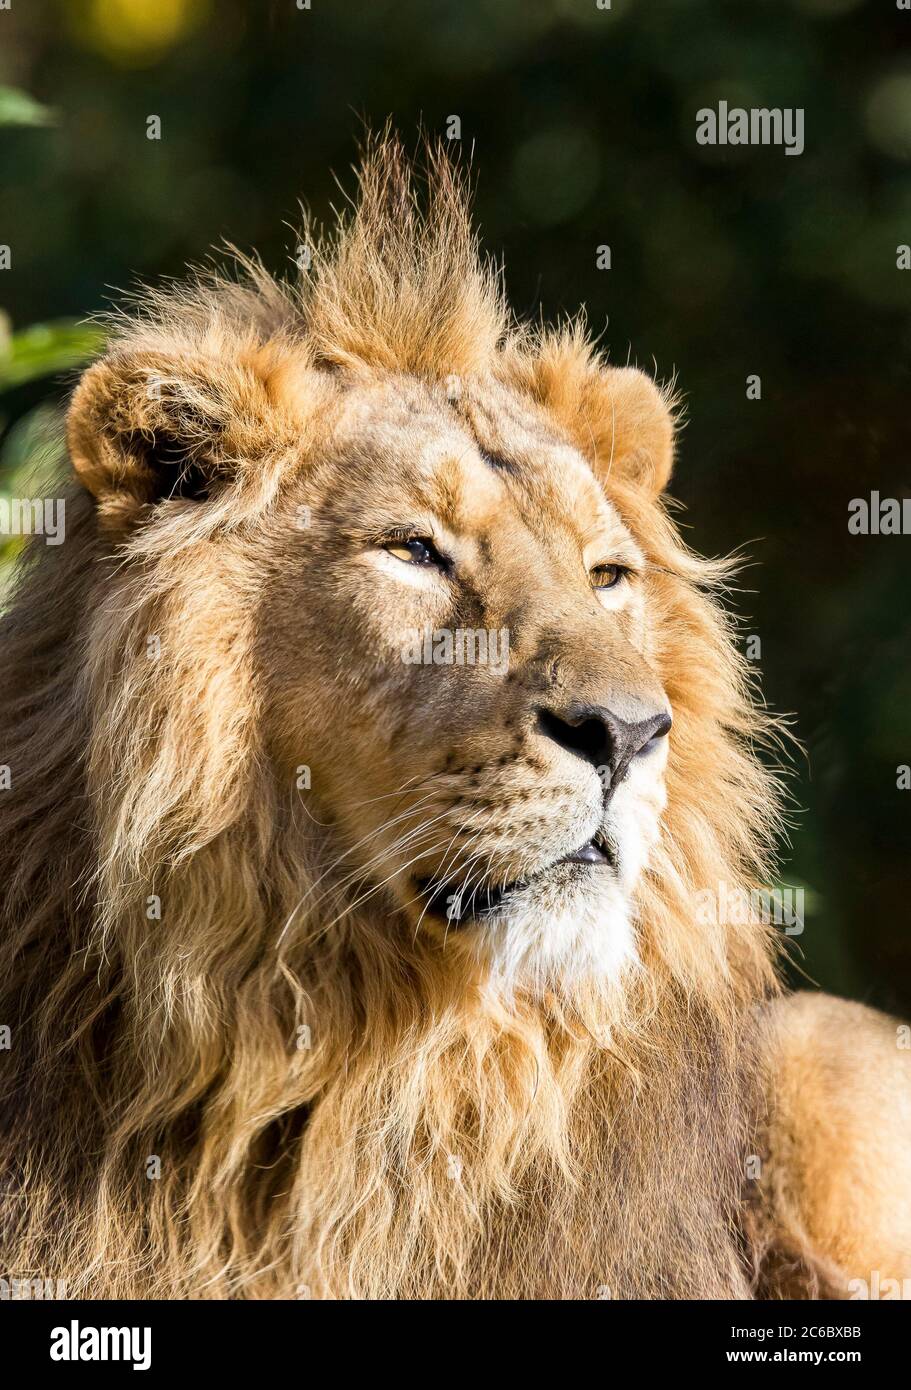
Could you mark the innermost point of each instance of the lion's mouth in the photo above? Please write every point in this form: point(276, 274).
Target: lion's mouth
point(460, 903)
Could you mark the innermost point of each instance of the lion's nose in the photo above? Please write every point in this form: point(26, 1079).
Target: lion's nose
point(601, 737)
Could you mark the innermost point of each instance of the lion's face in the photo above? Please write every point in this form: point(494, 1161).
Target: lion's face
point(415, 558)
point(455, 639)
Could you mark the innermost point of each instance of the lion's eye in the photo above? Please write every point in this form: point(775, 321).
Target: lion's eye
point(418, 551)
point(606, 576)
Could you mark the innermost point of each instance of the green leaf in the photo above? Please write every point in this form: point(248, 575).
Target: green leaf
point(46, 348)
point(33, 451)
point(18, 108)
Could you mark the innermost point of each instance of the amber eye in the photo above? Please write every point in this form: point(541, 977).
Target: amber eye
point(606, 576)
point(418, 551)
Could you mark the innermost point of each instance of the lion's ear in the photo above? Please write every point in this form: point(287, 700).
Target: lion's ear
point(147, 425)
point(632, 428)
point(619, 418)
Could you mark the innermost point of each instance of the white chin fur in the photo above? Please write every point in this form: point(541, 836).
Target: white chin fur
point(552, 933)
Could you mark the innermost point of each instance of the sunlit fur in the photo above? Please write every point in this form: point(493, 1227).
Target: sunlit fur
point(438, 1137)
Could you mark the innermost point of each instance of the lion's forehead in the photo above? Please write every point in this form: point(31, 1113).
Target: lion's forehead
point(475, 454)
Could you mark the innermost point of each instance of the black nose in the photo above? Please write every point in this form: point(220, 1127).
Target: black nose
point(601, 737)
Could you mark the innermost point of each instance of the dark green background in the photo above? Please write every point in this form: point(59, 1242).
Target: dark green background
point(725, 263)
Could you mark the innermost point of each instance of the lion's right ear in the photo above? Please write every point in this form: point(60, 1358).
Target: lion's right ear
point(144, 426)
point(620, 419)
point(629, 421)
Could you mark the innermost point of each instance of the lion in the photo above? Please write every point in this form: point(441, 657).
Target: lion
point(370, 742)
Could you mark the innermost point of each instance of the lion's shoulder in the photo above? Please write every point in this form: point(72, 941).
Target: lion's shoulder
point(837, 1179)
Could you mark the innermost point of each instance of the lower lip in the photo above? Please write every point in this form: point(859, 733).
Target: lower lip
point(589, 857)
point(588, 854)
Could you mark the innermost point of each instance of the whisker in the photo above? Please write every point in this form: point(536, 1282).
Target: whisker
point(370, 835)
point(359, 874)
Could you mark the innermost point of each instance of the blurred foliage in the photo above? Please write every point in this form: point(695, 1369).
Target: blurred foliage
point(33, 440)
point(33, 453)
point(39, 351)
point(18, 108)
point(43, 349)
point(726, 261)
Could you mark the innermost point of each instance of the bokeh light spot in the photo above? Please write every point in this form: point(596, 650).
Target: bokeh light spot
point(136, 32)
point(554, 174)
point(889, 115)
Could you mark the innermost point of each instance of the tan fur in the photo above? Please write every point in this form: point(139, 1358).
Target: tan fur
point(462, 1119)
point(838, 1157)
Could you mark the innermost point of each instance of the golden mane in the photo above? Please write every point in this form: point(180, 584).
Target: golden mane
point(231, 1100)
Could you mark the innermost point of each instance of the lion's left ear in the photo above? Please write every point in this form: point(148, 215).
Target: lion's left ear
point(632, 426)
point(619, 418)
point(147, 424)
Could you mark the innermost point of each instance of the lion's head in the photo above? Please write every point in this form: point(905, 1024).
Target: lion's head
point(403, 730)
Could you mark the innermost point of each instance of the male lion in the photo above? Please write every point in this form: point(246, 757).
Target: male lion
point(332, 969)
